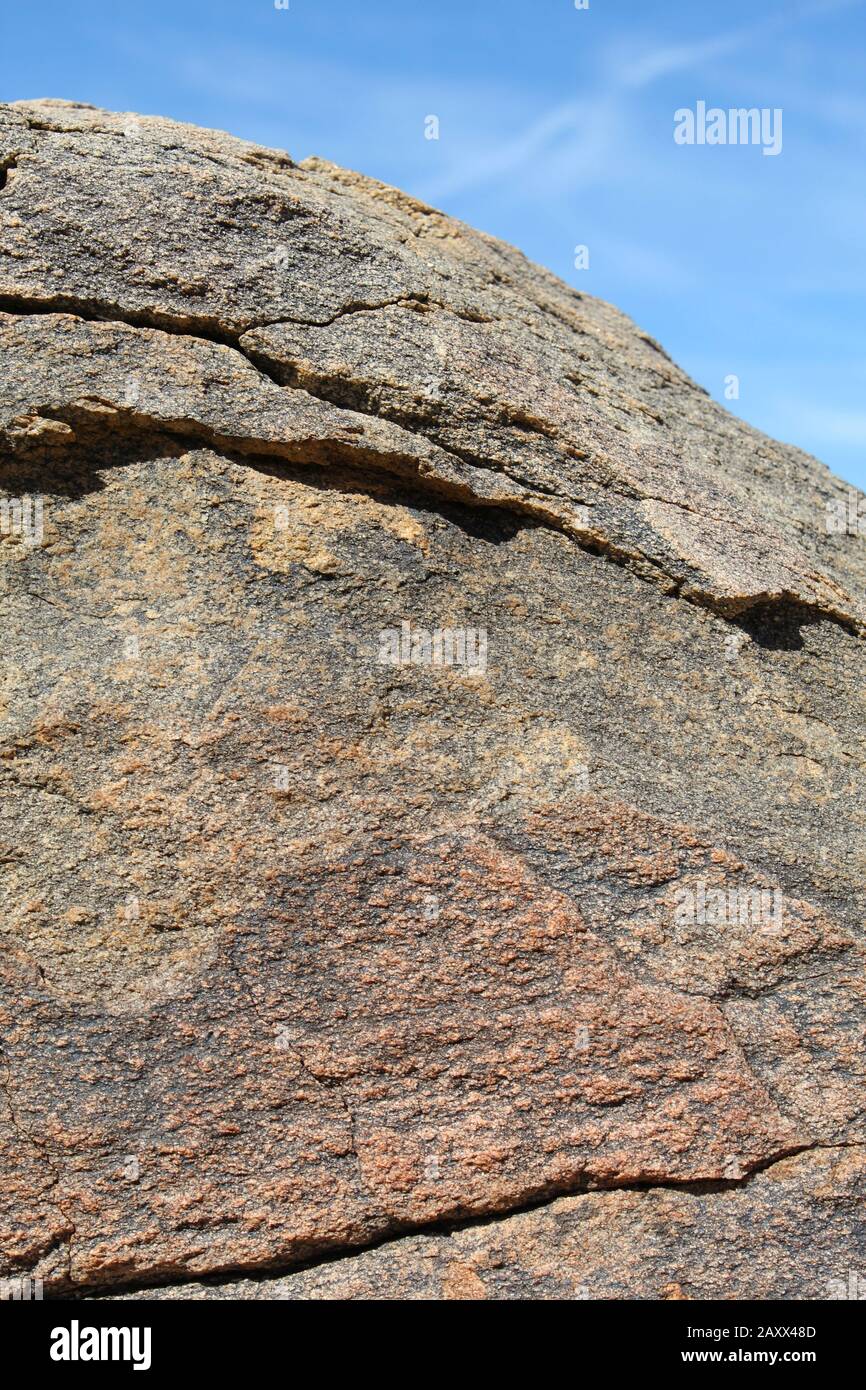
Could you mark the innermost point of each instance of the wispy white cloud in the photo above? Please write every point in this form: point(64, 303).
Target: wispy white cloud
point(594, 122)
point(566, 146)
point(661, 62)
point(667, 59)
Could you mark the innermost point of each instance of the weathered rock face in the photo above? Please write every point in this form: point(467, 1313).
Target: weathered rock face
point(321, 927)
point(785, 1235)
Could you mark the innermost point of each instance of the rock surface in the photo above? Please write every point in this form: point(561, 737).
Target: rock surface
point(306, 946)
point(785, 1236)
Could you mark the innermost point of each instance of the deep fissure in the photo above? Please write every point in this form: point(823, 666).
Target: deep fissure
point(788, 606)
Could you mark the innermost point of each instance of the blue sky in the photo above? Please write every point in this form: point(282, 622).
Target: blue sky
point(555, 130)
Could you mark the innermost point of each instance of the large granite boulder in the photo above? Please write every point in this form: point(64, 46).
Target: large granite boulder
point(432, 760)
